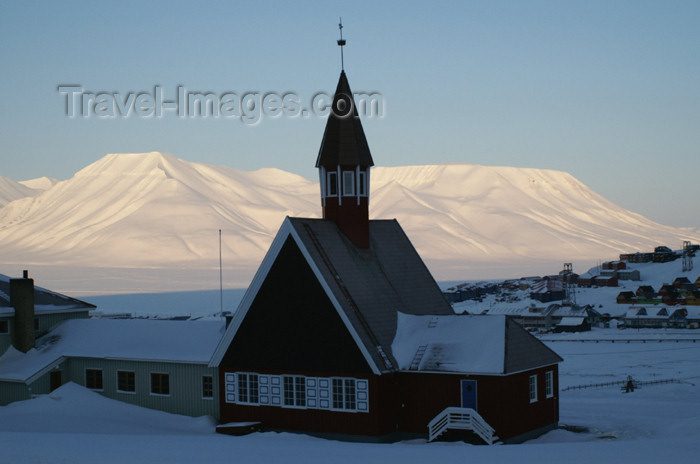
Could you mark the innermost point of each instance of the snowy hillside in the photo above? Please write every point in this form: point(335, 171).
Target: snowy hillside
point(40, 183)
point(11, 190)
point(155, 211)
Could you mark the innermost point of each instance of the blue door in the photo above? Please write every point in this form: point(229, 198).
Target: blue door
point(469, 394)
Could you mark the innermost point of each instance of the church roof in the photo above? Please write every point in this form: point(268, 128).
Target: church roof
point(368, 286)
point(344, 141)
point(489, 345)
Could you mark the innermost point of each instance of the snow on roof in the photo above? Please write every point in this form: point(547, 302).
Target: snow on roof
point(130, 339)
point(455, 343)
point(571, 321)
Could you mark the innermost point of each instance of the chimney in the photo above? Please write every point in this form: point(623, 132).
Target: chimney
point(22, 299)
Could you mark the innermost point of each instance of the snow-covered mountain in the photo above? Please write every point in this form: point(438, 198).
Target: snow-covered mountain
point(40, 183)
point(153, 210)
point(11, 190)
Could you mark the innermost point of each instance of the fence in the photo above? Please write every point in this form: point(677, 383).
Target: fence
point(622, 383)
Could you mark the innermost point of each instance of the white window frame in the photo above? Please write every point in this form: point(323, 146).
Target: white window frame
point(329, 184)
point(348, 394)
point(297, 391)
point(348, 185)
point(549, 384)
point(316, 391)
point(246, 386)
point(362, 184)
point(533, 388)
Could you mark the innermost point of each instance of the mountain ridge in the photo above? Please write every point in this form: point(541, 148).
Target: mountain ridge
point(155, 210)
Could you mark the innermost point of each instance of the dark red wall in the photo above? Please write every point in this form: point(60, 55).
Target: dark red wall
point(503, 401)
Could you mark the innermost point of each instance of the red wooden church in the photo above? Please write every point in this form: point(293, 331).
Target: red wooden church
point(343, 331)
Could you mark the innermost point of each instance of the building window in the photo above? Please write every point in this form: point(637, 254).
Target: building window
point(36, 323)
point(207, 386)
point(549, 384)
point(344, 394)
point(533, 388)
point(294, 391)
point(248, 391)
point(4, 327)
point(348, 183)
point(363, 184)
point(332, 184)
point(126, 381)
point(160, 384)
point(93, 379)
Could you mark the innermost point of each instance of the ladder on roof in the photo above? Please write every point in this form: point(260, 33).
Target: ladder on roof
point(415, 364)
point(346, 293)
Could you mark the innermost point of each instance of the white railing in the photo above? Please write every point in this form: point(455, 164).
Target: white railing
point(460, 419)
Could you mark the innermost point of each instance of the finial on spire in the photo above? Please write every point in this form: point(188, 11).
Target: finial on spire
point(341, 43)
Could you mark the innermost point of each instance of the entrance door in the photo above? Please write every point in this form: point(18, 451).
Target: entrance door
point(469, 394)
point(56, 380)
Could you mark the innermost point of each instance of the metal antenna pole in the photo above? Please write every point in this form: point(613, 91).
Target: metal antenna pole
point(221, 279)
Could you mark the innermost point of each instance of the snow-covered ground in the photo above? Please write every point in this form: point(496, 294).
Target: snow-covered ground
point(654, 424)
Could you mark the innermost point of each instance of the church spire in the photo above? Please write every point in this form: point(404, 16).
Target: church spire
point(344, 161)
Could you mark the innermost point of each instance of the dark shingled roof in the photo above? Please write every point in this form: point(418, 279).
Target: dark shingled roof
point(523, 351)
point(344, 141)
point(373, 284)
point(43, 297)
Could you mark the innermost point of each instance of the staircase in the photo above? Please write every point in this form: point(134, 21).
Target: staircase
point(460, 419)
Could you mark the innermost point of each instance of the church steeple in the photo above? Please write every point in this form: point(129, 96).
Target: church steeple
point(344, 161)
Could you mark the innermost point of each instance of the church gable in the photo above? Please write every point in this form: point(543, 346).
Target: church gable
point(291, 324)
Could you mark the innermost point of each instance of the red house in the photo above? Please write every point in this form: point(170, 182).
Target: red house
point(344, 333)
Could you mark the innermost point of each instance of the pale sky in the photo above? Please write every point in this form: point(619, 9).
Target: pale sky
point(608, 91)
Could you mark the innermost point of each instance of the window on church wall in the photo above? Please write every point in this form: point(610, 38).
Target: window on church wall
point(344, 394)
point(533, 388)
point(294, 391)
point(332, 184)
point(348, 183)
point(297, 391)
point(362, 185)
point(248, 388)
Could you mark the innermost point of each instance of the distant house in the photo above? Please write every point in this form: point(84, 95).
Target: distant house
point(669, 294)
point(685, 318)
point(626, 297)
point(645, 292)
point(572, 324)
point(585, 280)
point(637, 257)
point(605, 281)
point(344, 333)
point(614, 265)
point(546, 290)
point(629, 274)
point(640, 317)
point(681, 282)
